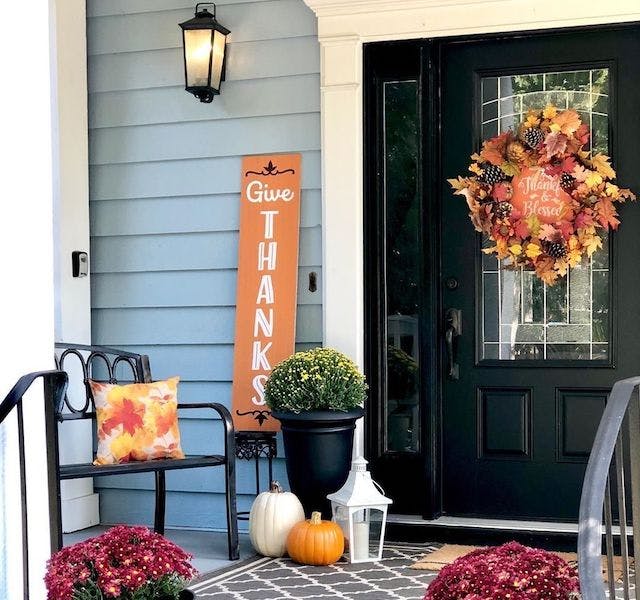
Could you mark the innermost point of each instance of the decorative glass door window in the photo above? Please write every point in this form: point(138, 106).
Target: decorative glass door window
point(401, 272)
point(523, 318)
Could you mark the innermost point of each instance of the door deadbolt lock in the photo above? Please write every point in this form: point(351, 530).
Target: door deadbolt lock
point(451, 283)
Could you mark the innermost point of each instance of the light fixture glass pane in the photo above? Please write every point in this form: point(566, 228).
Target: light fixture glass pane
point(197, 49)
point(219, 41)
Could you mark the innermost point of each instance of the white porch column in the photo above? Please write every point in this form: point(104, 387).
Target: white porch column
point(342, 224)
point(342, 227)
point(71, 222)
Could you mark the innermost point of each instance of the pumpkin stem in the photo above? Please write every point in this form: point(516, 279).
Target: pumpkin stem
point(316, 518)
point(276, 487)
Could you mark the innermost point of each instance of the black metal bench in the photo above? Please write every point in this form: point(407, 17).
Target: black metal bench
point(111, 365)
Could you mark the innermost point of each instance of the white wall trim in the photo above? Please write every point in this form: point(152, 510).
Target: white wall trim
point(397, 19)
point(343, 27)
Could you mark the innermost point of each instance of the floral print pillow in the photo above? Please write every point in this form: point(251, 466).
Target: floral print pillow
point(138, 421)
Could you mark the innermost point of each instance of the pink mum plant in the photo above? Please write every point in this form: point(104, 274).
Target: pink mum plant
point(126, 563)
point(508, 572)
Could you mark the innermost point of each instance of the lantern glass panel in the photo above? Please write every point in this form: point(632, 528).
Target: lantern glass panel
point(367, 533)
point(219, 41)
point(360, 547)
point(197, 52)
point(341, 517)
point(375, 518)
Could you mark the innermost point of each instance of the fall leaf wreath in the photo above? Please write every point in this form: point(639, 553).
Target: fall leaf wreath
point(540, 196)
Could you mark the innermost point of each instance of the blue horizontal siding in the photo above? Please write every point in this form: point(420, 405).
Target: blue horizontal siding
point(261, 21)
point(201, 139)
point(203, 481)
point(164, 207)
point(182, 288)
point(102, 8)
point(191, 325)
point(183, 215)
point(194, 362)
point(175, 178)
point(184, 251)
point(190, 510)
point(277, 96)
point(246, 60)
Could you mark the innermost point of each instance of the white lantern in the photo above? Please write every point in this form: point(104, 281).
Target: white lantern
point(360, 509)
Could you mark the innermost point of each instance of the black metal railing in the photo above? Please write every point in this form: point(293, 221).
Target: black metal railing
point(611, 487)
point(55, 385)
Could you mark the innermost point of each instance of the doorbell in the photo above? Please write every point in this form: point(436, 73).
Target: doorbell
point(79, 263)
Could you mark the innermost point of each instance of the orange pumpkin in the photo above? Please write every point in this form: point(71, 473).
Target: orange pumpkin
point(315, 542)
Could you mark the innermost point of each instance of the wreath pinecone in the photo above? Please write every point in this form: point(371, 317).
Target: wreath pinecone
point(533, 137)
point(555, 249)
point(492, 174)
point(503, 209)
point(566, 181)
point(516, 152)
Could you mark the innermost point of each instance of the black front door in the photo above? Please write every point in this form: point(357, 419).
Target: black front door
point(511, 434)
point(535, 362)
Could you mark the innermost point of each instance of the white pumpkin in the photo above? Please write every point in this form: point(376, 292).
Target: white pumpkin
point(272, 516)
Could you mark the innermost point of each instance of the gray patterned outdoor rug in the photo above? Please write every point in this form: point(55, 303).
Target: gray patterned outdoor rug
point(261, 578)
point(280, 578)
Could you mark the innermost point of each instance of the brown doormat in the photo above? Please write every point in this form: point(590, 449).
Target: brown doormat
point(436, 560)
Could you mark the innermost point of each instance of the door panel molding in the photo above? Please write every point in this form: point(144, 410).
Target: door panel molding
point(572, 404)
point(495, 441)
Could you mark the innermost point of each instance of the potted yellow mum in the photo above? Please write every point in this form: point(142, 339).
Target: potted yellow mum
point(317, 396)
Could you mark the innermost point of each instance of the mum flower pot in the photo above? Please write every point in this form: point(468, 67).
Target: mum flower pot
point(317, 447)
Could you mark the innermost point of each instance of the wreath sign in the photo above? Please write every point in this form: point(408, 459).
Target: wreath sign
point(540, 196)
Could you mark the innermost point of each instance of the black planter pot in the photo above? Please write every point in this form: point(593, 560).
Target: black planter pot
point(317, 446)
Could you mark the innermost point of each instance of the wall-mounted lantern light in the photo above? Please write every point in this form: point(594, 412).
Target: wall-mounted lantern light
point(204, 43)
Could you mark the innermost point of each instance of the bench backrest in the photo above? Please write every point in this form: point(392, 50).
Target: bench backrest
point(100, 363)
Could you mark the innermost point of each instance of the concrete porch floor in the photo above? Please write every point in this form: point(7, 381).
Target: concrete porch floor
point(209, 548)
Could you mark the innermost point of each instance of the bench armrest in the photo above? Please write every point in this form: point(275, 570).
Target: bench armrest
point(229, 429)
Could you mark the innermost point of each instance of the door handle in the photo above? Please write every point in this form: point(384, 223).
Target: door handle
point(452, 329)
